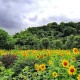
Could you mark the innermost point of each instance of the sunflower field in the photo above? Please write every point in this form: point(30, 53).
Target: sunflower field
point(40, 64)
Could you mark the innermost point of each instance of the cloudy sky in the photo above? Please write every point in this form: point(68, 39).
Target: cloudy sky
point(16, 15)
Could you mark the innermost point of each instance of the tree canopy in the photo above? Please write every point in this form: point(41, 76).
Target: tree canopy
point(50, 36)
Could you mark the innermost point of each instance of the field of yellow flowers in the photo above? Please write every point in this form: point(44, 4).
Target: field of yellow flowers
point(40, 64)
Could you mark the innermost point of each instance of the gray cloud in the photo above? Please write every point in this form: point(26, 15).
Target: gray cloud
point(33, 19)
point(16, 15)
point(11, 14)
point(58, 19)
point(19, 1)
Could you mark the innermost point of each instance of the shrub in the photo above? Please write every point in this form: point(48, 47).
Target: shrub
point(69, 42)
point(57, 44)
point(3, 38)
point(6, 74)
point(2, 68)
point(22, 63)
point(8, 59)
point(78, 62)
point(45, 43)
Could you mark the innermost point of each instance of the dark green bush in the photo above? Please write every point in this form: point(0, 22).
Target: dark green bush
point(8, 59)
point(22, 63)
point(57, 44)
point(78, 63)
point(69, 42)
point(45, 43)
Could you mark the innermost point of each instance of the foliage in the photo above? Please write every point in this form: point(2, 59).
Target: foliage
point(51, 32)
point(57, 44)
point(8, 59)
point(70, 41)
point(10, 43)
point(6, 74)
point(22, 63)
point(43, 37)
point(45, 43)
point(42, 65)
point(3, 38)
point(6, 41)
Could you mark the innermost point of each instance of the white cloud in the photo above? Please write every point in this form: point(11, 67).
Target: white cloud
point(56, 8)
point(25, 13)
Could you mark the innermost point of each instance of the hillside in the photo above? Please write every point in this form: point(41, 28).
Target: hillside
point(50, 36)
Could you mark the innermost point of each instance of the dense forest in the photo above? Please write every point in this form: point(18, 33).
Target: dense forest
point(50, 36)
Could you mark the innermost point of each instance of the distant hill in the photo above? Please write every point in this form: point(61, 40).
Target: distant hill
point(47, 36)
point(50, 36)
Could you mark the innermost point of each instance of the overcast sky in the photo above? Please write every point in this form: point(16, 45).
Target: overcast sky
point(16, 15)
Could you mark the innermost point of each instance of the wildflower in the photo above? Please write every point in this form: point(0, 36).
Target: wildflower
point(75, 50)
point(73, 59)
point(50, 62)
point(65, 63)
point(37, 56)
point(48, 53)
point(69, 54)
point(37, 67)
point(78, 77)
point(24, 54)
point(61, 54)
point(72, 70)
point(43, 56)
point(34, 52)
point(43, 67)
point(54, 74)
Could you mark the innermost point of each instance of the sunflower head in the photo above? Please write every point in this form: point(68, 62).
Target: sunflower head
point(43, 67)
point(54, 74)
point(73, 59)
point(72, 70)
point(65, 63)
point(37, 56)
point(48, 53)
point(50, 62)
point(36, 67)
point(75, 51)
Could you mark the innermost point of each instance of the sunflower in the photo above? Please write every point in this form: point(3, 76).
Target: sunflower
point(37, 56)
point(50, 62)
point(73, 59)
point(24, 54)
point(75, 50)
point(48, 53)
point(36, 67)
point(44, 56)
point(72, 70)
point(34, 52)
point(65, 63)
point(54, 74)
point(43, 67)
point(78, 77)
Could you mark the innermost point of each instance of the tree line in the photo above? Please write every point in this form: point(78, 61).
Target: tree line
point(50, 36)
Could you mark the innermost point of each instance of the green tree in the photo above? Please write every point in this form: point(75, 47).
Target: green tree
point(68, 30)
point(76, 42)
point(57, 44)
point(10, 43)
point(45, 43)
point(69, 42)
point(3, 38)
